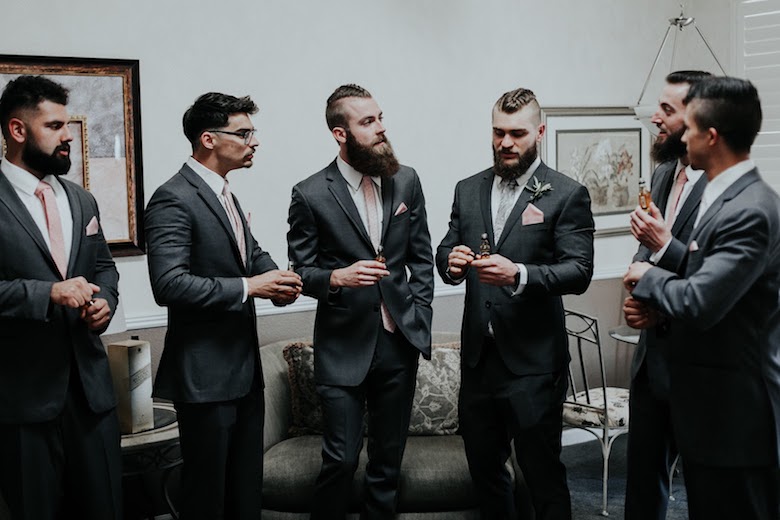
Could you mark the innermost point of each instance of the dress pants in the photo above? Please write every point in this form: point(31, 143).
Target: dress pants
point(387, 392)
point(497, 407)
point(69, 467)
point(651, 449)
point(222, 451)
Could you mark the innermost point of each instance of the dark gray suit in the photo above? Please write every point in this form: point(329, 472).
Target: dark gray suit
point(651, 448)
point(725, 367)
point(52, 367)
point(513, 384)
point(355, 358)
point(210, 366)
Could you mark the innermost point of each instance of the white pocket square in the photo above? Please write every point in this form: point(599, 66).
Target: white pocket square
point(693, 246)
point(401, 209)
point(93, 227)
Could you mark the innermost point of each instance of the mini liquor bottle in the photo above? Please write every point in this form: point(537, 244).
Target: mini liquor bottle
point(380, 254)
point(644, 196)
point(484, 246)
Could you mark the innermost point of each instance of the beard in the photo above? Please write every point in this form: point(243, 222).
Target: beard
point(669, 149)
point(38, 160)
point(508, 171)
point(370, 161)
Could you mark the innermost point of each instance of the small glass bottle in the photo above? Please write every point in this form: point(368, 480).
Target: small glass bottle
point(380, 254)
point(645, 199)
point(484, 246)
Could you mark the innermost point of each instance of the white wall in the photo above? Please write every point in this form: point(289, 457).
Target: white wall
point(435, 66)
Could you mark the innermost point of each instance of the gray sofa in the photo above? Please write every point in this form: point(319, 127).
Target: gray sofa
point(435, 482)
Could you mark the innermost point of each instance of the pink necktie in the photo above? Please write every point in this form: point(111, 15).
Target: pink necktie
point(367, 185)
point(677, 190)
point(54, 226)
point(235, 221)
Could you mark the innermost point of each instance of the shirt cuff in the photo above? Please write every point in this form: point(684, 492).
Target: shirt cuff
point(655, 257)
point(522, 279)
point(246, 290)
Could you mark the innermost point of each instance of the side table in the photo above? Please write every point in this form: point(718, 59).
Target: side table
point(155, 450)
point(625, 334)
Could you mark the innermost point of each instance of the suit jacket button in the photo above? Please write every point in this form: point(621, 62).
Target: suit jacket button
point(488, 304)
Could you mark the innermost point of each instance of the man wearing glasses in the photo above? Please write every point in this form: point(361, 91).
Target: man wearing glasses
point(206, 267)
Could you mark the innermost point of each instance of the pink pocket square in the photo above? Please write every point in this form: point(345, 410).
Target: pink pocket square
point(401, 209)
point(93, 227)
point(693, 246)
point(532, 215)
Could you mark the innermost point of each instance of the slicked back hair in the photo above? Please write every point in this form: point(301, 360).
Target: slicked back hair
point(514, 100)
point(26, 93)
point(729, 105)
point(212, 110)
point(690, 77)
point(334, 110)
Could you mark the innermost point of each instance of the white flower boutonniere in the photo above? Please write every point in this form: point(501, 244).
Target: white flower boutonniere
point(537, 188)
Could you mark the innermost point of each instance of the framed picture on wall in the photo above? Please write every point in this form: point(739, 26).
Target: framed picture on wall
point(105, 110)
point(607, 150)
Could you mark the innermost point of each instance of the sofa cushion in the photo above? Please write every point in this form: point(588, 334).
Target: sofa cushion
point(434, 475)
point(435, 405)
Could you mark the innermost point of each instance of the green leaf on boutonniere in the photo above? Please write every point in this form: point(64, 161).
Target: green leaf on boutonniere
point(538, 189)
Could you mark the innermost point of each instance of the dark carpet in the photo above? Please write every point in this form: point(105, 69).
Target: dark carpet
point(583, 466)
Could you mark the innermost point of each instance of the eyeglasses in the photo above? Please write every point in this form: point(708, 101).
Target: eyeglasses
point(246, 135)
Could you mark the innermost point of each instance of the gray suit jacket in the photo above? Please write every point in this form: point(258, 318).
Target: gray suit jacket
point(558, 253)
point(211, 347)
point(655, 340)
point(39, 341)
point(326, 233)
point(725, 365)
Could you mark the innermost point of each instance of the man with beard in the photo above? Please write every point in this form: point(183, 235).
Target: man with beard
point(59, 432)
point(663, 235)
point(206, 267)
point(514, 345)
point(356, 228)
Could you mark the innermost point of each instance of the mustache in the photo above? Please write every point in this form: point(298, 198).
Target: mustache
point(64, 147)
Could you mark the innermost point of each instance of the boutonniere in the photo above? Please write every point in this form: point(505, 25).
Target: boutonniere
point(537, 188)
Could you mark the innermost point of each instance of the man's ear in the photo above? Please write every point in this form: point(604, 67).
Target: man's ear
point(540, 132)
point(339, 134)
point(17, 130)
point(712, 136)
point(206, 140)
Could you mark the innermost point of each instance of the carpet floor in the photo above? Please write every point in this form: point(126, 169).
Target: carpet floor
point(583, 466)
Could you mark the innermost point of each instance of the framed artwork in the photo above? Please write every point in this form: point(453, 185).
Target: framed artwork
point(607, 150)
point(105, 121)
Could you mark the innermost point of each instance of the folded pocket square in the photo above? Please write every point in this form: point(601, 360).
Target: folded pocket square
point(532, 215)
point(693, 246)
point(401, 209)
point(93, 227)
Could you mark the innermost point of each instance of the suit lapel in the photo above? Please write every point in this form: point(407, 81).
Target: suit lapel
point(78, 226)
point(9, 197)
point(522, 202)
point(387, 204)
point(661, 197)
point(690, 205)
point(208, 196)
point(484, 203)
point(338, 187)
point(733, 190)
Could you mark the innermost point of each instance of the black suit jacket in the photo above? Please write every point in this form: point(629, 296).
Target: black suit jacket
point(326, 233)
point(39, 341)
point(558, 254)
point(656, 339)
point(211, 347)
point(725, 365)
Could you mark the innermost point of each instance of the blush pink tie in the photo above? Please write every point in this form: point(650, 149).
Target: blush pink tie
point(677, 190)
point(235, 221)
point(372, 222)
point(54, 226)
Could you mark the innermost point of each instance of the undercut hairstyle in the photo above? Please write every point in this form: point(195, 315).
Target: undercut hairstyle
point(690, 77)
point(334, 110)
point(26, 93)
point(514, 100)
point(212, 110)
point(729, 105)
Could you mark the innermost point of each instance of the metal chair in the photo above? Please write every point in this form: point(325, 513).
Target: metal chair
point(598, 409)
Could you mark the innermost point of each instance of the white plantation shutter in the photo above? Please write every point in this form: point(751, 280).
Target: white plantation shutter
point(758, 59)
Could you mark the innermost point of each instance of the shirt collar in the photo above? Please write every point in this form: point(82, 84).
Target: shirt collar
point(352, 176)
point(26, 182)
point(214, 180)
point(726, 178)
point(693, 175)
point(523, 179)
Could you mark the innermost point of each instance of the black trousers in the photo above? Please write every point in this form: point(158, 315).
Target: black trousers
point(222, 448)
point(730, 493)
point(497, 407)
point(651, 450)
point(69, 467)
point(387, 392)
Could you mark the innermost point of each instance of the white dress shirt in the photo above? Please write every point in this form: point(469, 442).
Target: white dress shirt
point(25, 184)
point(693, 178)
point(721, 183)
point(354, 178)
point(216, 182)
